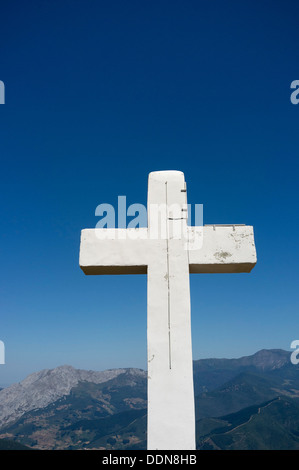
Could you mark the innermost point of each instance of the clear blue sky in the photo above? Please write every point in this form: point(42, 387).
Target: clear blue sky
point(98, 94)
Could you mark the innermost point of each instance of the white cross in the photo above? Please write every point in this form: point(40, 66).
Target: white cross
point(167, 256)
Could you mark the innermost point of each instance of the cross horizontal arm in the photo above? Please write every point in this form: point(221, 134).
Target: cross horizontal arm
point(116, 251)
point(223, 249)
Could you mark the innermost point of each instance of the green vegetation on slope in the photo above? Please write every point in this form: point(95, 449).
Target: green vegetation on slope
point(273, 425)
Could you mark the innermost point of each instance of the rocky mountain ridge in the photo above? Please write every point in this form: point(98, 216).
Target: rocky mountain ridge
point(41, 388)
point(67, 408)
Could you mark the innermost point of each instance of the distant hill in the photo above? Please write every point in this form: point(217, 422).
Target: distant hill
point(242, 391)
point(42, 388)
point(6, 444)
point(87, 416)
point(238, 402)
point(232, 384)
point(212, 373)
point(272, 425)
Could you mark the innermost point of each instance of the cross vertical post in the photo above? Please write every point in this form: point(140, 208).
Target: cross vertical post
point(171, 417)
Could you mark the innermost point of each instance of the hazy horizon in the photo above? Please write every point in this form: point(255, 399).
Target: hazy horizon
point(143, 369)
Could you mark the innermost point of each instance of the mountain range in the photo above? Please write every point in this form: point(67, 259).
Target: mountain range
point(247, 403)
